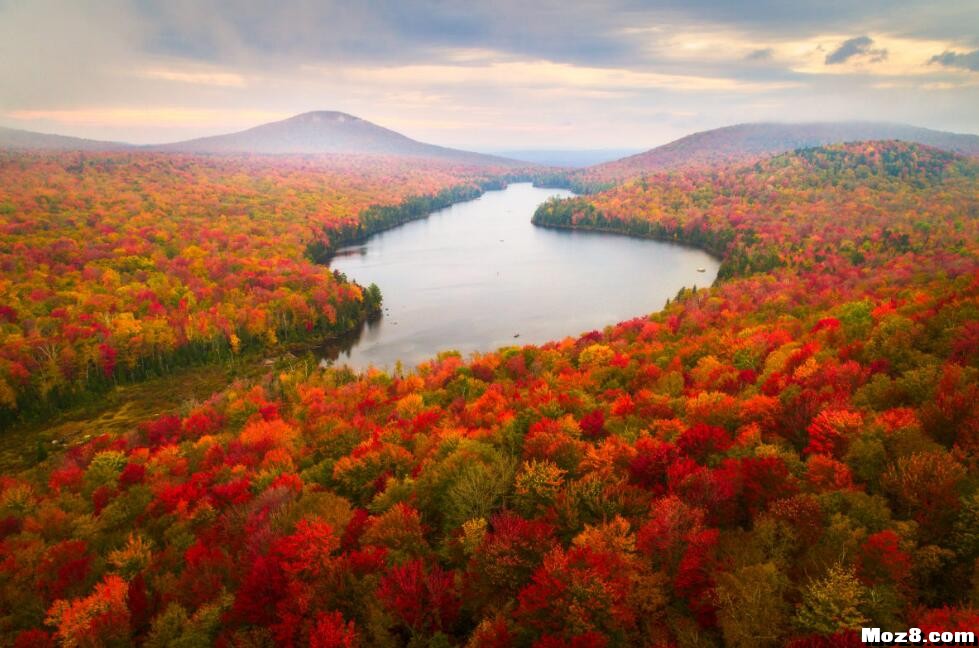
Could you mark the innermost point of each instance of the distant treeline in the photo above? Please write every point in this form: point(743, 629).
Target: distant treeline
point(378, 218)
point(582, 215)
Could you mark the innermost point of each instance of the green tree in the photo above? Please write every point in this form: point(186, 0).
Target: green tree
point(752, 610)
point(834, 603)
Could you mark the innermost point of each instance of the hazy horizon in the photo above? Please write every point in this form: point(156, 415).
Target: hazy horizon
point(512, 76)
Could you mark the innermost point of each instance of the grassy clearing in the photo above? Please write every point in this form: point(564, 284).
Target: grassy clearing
point(120, 410)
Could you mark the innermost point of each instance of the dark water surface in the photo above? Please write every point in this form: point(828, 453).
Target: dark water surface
point(472, 276)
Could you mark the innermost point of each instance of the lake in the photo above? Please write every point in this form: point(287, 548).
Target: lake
point(479, 275)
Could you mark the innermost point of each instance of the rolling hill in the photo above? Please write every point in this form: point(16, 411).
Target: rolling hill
point(747, 141)
point(12, 138)
point(332, 132)
point(318, 132)
point(326, 132)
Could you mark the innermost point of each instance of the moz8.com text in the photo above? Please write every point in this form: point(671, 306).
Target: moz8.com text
point(916, 636)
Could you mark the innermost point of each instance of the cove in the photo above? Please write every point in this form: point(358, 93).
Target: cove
point(479, 275)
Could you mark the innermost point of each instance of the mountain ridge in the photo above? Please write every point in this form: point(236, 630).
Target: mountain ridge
point(336, 132)
point(752, 140)
point(18, 139)
point(325, 131)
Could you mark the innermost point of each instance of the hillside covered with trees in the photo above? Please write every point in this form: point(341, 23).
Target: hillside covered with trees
point(776, 460)
point(744, 143)
point(117, 266)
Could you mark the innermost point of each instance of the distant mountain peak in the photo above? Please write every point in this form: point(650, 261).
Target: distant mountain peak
point(318, 116)
point(308, 133)
point(330, 132)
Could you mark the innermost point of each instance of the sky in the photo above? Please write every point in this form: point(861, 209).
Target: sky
point(506, 74)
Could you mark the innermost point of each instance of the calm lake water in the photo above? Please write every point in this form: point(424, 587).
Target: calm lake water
point(473, 276)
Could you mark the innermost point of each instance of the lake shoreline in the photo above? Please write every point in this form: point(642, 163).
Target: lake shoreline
point(123, 405)
point(487, 277)
point(406, 212)
point(616, 232)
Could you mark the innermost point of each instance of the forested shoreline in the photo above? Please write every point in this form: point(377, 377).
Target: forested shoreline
point(184, 240)
point(779, 459)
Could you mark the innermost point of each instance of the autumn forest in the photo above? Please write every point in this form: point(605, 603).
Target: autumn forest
point(779, 459)
point(420, 324)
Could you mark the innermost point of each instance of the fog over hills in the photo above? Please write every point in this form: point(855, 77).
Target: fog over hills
point(12, 138)
point(332, 132)
point(318, 132)
point(568, 157)
point(746, 141)
point(325, 132)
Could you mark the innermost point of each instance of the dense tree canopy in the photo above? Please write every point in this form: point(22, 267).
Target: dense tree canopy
point(115, 266)
point(776, 460)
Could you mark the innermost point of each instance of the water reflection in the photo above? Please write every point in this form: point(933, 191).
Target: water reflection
point(478, 276)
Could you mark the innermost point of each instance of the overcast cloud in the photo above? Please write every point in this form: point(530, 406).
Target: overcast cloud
point(506, 74)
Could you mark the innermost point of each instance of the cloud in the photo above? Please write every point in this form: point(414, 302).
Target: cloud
point(617, 71)
point(760, 54)
point(52, 52)
point(548, 74)
point(907, 58)
point(856, 47)
point(164, 115)
point(967, 61)
point(198, 77)
point(407, 31)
